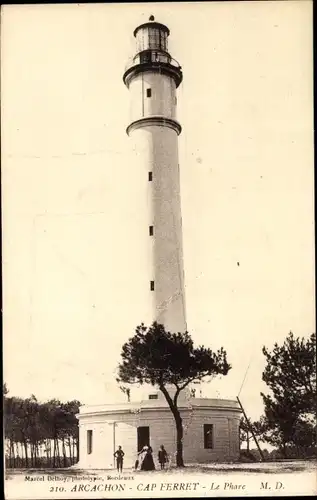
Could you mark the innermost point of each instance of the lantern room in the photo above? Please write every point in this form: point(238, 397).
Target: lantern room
point(151, 36)
point(152, 53)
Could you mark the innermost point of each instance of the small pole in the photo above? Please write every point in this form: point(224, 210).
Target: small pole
point(251, 429)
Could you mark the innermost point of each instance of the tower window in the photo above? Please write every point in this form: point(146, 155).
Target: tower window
point(151, 230)
point(153, 396)
point(208, 436)
point(150, 176)
point(148, 92)
point(152, 286)
point(89, 442)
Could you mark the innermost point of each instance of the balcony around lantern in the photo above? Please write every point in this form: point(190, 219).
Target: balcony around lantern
point(152, 60)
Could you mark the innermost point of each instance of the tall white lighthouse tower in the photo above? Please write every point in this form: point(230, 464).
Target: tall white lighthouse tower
point(152, 77)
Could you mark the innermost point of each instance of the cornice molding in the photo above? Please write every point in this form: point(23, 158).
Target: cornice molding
point(158, 121)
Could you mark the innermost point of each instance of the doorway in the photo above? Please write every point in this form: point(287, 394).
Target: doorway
point(143, 437)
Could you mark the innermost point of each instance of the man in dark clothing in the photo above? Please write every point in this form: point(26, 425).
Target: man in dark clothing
point(119, 454)
point(162, 457)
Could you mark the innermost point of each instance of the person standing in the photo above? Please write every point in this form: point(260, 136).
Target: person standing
point(119, 454)
point(162, 457)
point(147, 458)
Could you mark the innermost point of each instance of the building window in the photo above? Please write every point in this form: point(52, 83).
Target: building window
point(152, 286)
point(89, 442)
point(154, 38)
point(150, 176)
point(153, 396)
point(208, 436)
point(148, 92)
point(151, 230)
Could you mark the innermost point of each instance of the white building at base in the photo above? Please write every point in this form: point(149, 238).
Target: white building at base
point(211, 430)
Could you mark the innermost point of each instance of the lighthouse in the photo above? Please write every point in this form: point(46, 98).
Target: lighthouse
point(152, 77)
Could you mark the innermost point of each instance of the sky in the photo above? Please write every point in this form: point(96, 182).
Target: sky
point(246, 166)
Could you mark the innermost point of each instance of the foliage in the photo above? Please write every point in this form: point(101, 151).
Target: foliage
point(246, 435)
point(290, 410)
point(32, 428)
point(158, 357)
point(253, 455)
point(290, 372)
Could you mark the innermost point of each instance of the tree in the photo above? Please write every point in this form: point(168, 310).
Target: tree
point(31, 427)
point(158, 357)
point(290, 409)
point(245, 435)
point(291, 371)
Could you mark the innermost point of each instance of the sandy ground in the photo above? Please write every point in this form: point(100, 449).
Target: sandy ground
point(281, 467)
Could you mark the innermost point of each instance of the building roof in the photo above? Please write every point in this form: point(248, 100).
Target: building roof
point(158, 405)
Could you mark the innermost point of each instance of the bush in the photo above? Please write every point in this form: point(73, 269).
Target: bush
point(247, 456)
